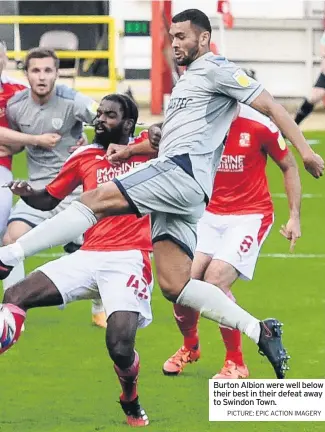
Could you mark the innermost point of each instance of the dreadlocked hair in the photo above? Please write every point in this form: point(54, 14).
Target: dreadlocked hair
point(130, 108)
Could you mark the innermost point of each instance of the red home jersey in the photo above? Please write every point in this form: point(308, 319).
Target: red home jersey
point(241, 185)
point(9, 88)
point(87, 166)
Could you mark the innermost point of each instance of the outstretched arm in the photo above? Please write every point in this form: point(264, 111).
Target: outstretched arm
point(11, 137)
point(265, 103)
point(38, 199)
point(289, 168)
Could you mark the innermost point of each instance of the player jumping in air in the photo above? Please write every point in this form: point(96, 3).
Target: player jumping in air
point(234, 226)
point(176, 187)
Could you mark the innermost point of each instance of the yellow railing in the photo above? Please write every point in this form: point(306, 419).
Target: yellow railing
point(83, 54)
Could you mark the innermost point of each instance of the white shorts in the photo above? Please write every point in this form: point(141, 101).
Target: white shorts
point(123, 280)
point(235, 239)
point(5, 198)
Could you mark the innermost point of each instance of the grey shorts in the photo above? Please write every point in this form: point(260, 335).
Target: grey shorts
point(33, 217)
point(175, 200)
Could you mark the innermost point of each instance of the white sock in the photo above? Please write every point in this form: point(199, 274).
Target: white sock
point(213, 303)
point(17, 274)
point(12, 254)
point(60, 229)
point(97, 306)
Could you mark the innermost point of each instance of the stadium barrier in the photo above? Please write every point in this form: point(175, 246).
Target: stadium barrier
point(82, 54)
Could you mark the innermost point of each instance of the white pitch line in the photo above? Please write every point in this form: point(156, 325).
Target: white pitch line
point(283, 195)
point(50, 255)
point(263, 255)
point(311, 142)
point(283, 255)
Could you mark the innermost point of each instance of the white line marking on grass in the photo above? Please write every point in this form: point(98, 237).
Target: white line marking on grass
point(313, 142)
point(297, 256)
point(283, 195)
point(50, 255)
point(310, 142)
point(265, 255)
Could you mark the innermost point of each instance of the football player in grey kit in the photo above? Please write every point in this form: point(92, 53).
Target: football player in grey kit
point(175, 187)
point(45, 107)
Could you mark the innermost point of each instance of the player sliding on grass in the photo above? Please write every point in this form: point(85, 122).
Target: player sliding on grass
point(113, 264)
point(175, 187)
point(234, 227)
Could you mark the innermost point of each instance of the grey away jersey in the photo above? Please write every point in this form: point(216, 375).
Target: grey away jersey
point(200, 112)
point(64, 114)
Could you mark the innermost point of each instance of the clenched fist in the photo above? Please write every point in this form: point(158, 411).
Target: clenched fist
point(154, 133)
point(47, 140)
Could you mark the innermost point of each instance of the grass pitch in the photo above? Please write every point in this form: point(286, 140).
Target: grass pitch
point(59, 378)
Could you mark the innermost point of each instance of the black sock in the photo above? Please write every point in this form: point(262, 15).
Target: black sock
point(305, 109)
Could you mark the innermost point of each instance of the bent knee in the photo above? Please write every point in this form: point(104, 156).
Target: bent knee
point(106, 200)
point(221, 274)
point(121, 350)
point(170, 289)
point(13, 296)
point(9, 238)
point(14, 231)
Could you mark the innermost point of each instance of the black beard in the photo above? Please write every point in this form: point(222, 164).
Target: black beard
point(192, 55)
point(109, 135)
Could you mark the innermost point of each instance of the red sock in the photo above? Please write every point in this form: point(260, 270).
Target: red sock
point(19, 316)
point(233, 341)
point(187, 320)
point(128, 379)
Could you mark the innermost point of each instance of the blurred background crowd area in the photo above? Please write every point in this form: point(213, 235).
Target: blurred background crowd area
point(124, 44)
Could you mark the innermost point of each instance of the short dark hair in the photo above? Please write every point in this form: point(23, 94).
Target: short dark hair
point(196, 17)
point(130, 108)
point(41, 53)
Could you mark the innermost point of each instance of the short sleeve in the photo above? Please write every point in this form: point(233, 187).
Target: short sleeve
point(85, 108)
point(67, 180)
point(274, 143)
point(230, 80)
point(11, 116)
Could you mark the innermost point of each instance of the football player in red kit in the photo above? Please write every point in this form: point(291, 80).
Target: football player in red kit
point(112, 264)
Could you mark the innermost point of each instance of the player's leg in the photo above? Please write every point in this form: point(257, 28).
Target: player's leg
point(223, 275)
point(21, 220)
point(65, 226)
point(120, 342)
point(187, 321)
point(141, 191)
point(173, 263)
point(187, 318)
point(15, 229)
point(125, 284)
point(98, 315)
point(317, 94)
point(236, 257)
point(35, 291)
point(55, 283)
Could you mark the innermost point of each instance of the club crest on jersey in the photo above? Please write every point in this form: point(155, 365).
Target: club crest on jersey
point(242, 79)
point(57, 123)
point(244, 139)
